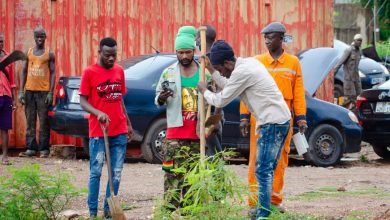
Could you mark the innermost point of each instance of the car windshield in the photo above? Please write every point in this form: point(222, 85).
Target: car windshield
point(135, 69)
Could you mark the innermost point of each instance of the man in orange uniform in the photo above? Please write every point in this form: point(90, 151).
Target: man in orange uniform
point(286, 71)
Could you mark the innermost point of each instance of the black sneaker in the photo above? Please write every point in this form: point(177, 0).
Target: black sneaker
point(28, 153)
point(44, 154)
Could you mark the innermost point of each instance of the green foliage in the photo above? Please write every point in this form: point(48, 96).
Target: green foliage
point(384, 19)
point(381, 47)
point(363, 158)
point(30, 194)
point(214, 192)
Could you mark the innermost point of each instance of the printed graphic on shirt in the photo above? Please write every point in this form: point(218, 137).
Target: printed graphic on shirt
point(190, 99)
point(110, 91)
point(190, 103)
point(37, 71)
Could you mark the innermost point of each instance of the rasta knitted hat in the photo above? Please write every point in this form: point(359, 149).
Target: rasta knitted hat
point(220, 51)
point(185, 38)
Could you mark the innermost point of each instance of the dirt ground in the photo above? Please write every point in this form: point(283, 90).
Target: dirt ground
point(357, 188)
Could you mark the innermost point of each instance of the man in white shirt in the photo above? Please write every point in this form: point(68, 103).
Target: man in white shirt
point(249, 79)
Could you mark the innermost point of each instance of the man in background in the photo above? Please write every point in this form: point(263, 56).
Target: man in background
point(36, 93)
point(352, 84)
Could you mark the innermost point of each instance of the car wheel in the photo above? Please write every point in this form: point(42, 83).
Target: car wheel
point(85, 143)
point(325, 146)
point(152, 145)
point(382, 150)
point(338, 90)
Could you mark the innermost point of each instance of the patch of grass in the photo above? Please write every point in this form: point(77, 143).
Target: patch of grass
point(357, 215)
point(331, 192)
point(294, 216)
point(126, 207)
point(328, 189)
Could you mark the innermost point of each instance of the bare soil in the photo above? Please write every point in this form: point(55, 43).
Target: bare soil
point(358, 188)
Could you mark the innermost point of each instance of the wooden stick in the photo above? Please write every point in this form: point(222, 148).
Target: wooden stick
point(202, 31)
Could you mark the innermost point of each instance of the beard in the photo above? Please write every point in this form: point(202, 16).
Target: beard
point(186, 62)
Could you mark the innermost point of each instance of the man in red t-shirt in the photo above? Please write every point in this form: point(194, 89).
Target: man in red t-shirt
point(101, 94)
point(7, 101)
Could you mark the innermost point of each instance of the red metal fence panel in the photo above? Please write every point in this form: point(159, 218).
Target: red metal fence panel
point(74, 28)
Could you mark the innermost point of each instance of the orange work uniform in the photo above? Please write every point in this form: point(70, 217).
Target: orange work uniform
point(286, 71)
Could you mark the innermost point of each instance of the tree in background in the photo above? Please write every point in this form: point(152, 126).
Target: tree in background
point(383, 16)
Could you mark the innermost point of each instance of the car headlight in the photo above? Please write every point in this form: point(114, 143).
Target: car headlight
point(353, 117)
point(361, 75)
point(385, 70)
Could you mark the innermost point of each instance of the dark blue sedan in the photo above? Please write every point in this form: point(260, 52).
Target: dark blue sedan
point(332, 130)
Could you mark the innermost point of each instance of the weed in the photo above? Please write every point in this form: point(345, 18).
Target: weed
point(363, 158)
point(214, 192)
point(31, 194)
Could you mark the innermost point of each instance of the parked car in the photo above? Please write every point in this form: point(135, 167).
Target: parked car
point(371, 52)
point(371, 72)
point(141, 74)
point(373, 110)
point(332, 130)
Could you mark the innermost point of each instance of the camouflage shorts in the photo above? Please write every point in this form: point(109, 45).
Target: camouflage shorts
point(176, 152)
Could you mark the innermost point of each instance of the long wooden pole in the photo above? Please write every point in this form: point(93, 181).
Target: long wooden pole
point(202, 31)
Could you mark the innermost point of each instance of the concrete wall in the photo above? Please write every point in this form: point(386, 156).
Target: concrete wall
point(351, 19)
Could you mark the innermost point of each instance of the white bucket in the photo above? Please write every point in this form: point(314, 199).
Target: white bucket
point(300, 143)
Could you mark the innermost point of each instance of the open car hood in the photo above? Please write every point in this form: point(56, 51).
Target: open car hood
point(316, 64)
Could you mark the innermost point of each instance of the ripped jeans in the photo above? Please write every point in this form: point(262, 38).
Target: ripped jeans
point(97, 159)
point(269, 146)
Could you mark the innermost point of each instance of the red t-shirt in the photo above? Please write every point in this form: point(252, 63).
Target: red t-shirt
point(6, 84)
point(104, 89)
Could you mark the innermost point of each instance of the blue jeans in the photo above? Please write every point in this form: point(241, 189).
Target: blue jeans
point(269, 146)
point(97, 159)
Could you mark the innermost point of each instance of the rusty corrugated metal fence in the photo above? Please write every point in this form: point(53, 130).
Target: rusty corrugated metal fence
point(74, 28)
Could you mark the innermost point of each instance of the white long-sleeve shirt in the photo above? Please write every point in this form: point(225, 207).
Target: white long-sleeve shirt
point(257, 89)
